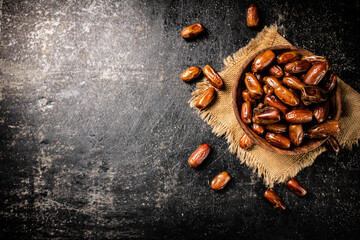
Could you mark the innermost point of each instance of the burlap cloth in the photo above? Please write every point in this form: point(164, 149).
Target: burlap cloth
point(273, 167)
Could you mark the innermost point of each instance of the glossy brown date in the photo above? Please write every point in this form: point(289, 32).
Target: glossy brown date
point(333, 145)
point(274, 200)
point(258, 108)
point(296, 134)
point(286, 96)
point(323, 130)
point(253, 86)
point(313, 58)
point(259, 77)
point(297, 67)
point(192, 31)
point(258, 129)
point(247, 98)
point(273, 101)
point(296, 187)
point(262, 61)
point(267, 115)
point(252, 16)
point(220, 181)
point(199, 155)
point(272, 81)
point(330, 83)
point(278, 140)
point(316, 73)
point(206, 98)
point(299, 116)
point(277, 127)
point(293, 82)
point(276, 71)
point(190, 73)
point(313, 94)
point(321, 111)
point(268, 90)
point(213, 77)
point(246, 112)
point(245, 142)
point(287, 57)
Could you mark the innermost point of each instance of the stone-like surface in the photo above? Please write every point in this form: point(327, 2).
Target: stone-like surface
point(95, 128)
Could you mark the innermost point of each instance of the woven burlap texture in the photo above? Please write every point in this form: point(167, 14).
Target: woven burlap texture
point(273, 167)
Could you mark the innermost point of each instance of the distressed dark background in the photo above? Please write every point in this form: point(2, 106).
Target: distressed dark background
point(95, 127)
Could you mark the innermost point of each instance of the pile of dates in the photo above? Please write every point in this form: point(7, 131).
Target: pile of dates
point(287, 99)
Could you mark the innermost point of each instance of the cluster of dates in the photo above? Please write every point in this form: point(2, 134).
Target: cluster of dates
point(287, 99)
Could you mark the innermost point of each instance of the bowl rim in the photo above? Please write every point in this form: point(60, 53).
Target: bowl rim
point(261, 141)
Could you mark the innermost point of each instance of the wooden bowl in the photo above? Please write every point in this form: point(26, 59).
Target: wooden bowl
point(308, 144)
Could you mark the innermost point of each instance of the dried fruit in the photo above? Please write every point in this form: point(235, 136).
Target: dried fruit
point(252, 16)
point(199, 155)
point(333, 145)
point(277, 127)
point(258, 129)
point(287, 57)
point(192, 31)
point(190, 73)
point(286, 96)
point(273, 101)
point(268, 90)
point(325, 129)
point(213, 77)
point(297, 67)
point(299, 116)
point(274, 199)
point(246, 112)
point(316, 73)
point(313, 94)
point(296, 187)
point(321, 111)
point(253, 86)
point(293, 82)
point(278, 140)
point(220, 181)
point(267, 115)
point(276, 71)
point(245, 142)
point(262, 61)
point(206, 98)
point(296, 134)
point(247, 98)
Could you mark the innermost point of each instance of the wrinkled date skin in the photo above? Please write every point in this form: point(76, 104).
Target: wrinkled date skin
point(213, 77)
point(258, 129)
point(259, 77)
point(267, 115)
point(246, 112)
point(277, 127)
point(199, 155)
point(258, 108)
point(278, 140)
point(296, 134)
point(252, 16)
point(313, 58)
point(293, 82)
point(333, 145)
point(272, 81)
point(192, 31)
point(276, 71)
point(206, 98)
point(247, 98)
point(220, 181)
point(321, 111)
point(330, 83)
point(323, 130)
point(287, 57)
point(313, 94)
point(297, 67)
point(296, 187)
point(245, 142)
point(299, 116)
point(286, 96)
point(274, 200)
point(190, 73)
point(253, 86)
point(316, 73)
point(273, 101)
point(262, 61)
point(268, 90)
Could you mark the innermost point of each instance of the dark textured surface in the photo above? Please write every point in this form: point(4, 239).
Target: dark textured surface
point(95, 128)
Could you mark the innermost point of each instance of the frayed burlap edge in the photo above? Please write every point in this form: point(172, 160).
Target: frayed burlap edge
point(220, 129)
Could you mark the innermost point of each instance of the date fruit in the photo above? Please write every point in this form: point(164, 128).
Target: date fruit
point(267, 115)
point(252, 16)
point(273, 101)
point(276, 71)
point(323, 130)
point(333, 145)
point(287, 57)
point(313, 94)
point(258, 129)
point(296, 187)
point(297, 67)
point(220, 181)
point(330, 83)
point(286, 96)
point(278, 140)
point(245, 142)
point(262, 61)
point(213, 77)
point(277, 127)
point(206, 98)
point(253, 86)
point(293, 82)
point(296, 134)
point(274, 199)
point(321, 111)
point(272, 81)
point(299, 116)
point(247, 98)
point(316, 73)
point(192, 31)
point(190, 73)
point(246, 112)
point(199, 155)
point(268, 90)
